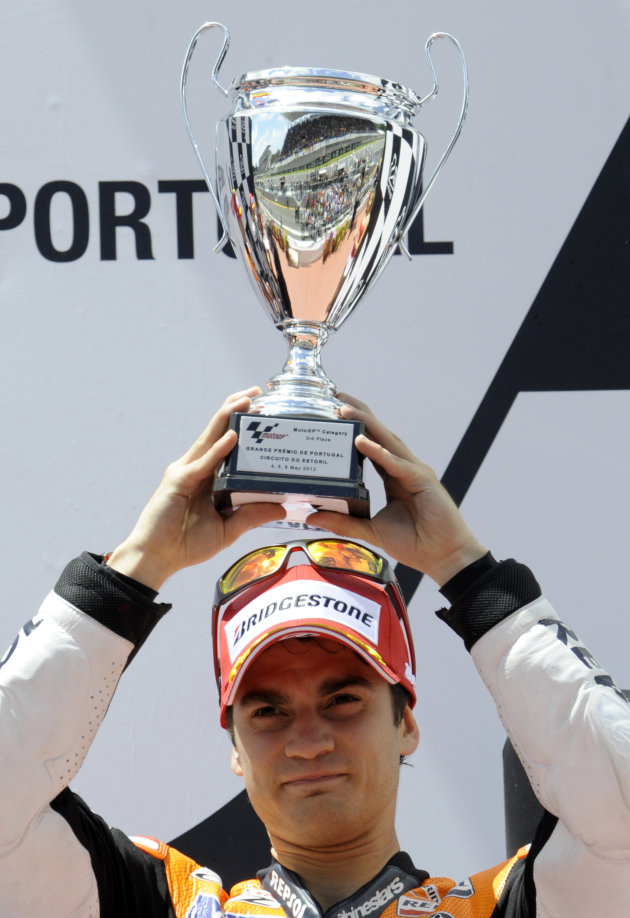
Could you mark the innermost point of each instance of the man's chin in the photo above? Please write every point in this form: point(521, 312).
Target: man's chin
point(320, 822)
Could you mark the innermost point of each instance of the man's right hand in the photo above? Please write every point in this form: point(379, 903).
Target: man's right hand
point(419, 525)
point(180, 526)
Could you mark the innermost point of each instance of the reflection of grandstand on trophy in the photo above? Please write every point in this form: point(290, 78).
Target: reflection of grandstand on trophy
point(306, 203)
point(309, 190)
point(316, 184)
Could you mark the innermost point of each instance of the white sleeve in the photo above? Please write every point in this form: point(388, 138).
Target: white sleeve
point(570, 726)
point(56, 683)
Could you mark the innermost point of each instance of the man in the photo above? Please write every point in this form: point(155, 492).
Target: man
point(316, 674)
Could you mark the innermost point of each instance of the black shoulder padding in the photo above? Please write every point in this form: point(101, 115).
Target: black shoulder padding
point(491, 598)
point(98, 591)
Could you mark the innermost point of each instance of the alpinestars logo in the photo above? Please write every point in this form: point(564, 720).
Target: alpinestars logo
point(266, 433)
point(379, 900)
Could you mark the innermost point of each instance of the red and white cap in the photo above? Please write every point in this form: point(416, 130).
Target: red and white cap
point(366, 615)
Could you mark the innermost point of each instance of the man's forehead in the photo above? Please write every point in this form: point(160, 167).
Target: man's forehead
point(298, 658)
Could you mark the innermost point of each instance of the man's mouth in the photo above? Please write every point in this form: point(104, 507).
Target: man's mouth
point(314, 779)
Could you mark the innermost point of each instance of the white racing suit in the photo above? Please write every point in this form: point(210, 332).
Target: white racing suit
point(566, 719)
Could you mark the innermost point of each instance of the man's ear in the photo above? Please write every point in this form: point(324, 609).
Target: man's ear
point(409, 733)
point(235, 763)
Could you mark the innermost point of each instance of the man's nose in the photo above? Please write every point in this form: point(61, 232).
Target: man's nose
point(309, 736)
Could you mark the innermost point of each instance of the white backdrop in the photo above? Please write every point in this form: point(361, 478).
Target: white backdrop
point(111, 367)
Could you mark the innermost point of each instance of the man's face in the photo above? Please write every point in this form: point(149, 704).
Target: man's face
point(316, 742)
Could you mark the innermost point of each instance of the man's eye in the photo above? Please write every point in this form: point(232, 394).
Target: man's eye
point(267, 711)
point(343, 698)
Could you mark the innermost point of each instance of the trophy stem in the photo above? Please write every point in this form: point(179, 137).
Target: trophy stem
point(302, 388)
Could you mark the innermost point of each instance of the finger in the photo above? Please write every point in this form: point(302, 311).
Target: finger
point(375, 429)
point(250, 516)
point(353, 409)
point(379, 441)
point(238, 401)
point(380, 471)
point(341, 524)
point(352, 401)
point(208, 462)
point(187, 476)
point(389, 462)
point(412, 474)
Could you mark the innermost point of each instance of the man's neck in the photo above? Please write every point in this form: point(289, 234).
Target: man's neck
point(332, 876)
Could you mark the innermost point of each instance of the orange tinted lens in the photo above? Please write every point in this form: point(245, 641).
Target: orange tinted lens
point(345, 555)
point(252, 567)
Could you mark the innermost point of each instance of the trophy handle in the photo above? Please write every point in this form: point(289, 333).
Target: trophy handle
point(427, 188)
point(183, 86)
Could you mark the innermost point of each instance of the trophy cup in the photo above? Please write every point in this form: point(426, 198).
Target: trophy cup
point(319, 175)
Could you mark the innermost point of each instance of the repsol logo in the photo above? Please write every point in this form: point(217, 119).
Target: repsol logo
point(67, 219)
point(292, 903)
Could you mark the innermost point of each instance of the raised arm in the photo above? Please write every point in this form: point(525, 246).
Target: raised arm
point(179, 526)
point(568, 721)
point(58, 677)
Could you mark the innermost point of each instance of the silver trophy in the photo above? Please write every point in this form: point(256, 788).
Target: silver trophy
point(319, 176)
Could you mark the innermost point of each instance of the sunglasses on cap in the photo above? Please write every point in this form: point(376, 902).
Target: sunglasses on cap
point(333, 554)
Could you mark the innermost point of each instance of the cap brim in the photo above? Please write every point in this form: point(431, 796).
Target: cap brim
point(309, 628)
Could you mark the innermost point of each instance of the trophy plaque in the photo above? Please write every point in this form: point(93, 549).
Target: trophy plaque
point(319, 175)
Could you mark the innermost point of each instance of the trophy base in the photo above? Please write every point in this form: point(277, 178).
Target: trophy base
point(302, 463)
